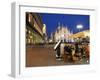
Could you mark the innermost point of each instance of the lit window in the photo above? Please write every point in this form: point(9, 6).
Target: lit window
point(29, 18)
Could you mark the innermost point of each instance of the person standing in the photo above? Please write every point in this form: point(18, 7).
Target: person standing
point(62, 49)
point(57, 49)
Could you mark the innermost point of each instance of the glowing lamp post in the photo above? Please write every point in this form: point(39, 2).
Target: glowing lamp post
point(79, 27)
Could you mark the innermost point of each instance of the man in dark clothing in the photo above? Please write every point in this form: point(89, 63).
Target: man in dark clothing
point(57, 48)
point(58, 51)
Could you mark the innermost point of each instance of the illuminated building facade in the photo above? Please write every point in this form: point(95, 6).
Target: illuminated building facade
point(81, 35)
point(44, 33)
point(62, 33)
point(34, 25)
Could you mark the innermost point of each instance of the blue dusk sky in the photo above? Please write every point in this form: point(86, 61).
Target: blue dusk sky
point(69, 20)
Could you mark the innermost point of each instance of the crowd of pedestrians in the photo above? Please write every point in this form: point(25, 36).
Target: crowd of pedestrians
point(76, 51)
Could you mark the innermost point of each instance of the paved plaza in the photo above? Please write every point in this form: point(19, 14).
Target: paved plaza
point(37, 56)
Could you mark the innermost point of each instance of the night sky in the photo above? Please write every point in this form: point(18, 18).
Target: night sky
point(69, 20)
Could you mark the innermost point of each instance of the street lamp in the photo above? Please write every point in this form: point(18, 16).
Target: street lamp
point(79, 27)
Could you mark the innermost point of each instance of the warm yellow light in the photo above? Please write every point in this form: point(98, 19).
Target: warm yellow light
point(44, 28)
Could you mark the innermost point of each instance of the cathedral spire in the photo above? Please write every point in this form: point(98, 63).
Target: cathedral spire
point(58, 23)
